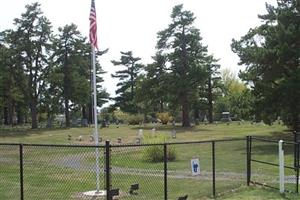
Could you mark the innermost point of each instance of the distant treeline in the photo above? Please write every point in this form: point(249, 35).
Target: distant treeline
point(43, 74)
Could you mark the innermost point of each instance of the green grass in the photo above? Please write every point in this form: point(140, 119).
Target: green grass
point(62, 173)
point(129, 133)
point(257, 193)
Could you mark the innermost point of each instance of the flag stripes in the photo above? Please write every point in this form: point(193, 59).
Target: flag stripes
point(93, 26)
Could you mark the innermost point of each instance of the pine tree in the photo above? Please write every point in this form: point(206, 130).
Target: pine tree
point(271, 54)
point(127, 81)
point(181, 42)
point(33, 33)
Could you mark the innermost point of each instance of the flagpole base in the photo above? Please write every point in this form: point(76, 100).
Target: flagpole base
point(95, 193)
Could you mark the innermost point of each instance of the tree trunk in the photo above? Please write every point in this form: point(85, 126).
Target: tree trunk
point(5, 113)
point(185, 112)
point(295, 122)
point(83, 112)
point(90, 116)
point(210, 101)
point(196, 113)
point(67, 85)
point(20, 115)
point(161, 106)
point(33, 110)
point(11, 114)
point(67, 113)
point(183, 76)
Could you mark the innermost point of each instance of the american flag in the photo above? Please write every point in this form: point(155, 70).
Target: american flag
point(93, 25)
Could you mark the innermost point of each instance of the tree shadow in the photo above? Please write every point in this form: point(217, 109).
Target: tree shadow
point(285, 135)
point(26, 131)
point(261, 147)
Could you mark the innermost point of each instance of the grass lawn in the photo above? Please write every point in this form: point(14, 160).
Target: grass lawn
point(257, 193)
point(129, 133)
point(62, 173)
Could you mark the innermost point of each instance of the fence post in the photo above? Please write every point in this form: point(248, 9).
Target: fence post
point(297, 169)
point(21, 172)
point(107, 169)
point(213, 168)
point(296, 152)
point(248, 160)
point(165, 172)
point(281, 166)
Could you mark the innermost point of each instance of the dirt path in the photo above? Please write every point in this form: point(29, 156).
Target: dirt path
point(75, 162)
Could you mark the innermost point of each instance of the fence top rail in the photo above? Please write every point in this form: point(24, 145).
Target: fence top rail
point(264, 139)
point(150, 144)
point(52, 145)
point(122, 145)
point(178, 143)
point(9, 144)
point(270, 140)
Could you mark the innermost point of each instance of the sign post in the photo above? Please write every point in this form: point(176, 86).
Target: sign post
point(281, 167)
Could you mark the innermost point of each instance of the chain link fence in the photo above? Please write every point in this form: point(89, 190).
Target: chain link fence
point(264, 162)
point(146, 171)
point(9, 171)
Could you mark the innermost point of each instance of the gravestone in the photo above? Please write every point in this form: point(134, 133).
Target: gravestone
point(92, 138)
point(173, 133)
point(226, 117)
point(80, 138)
point(137, 140)
point(103, 124)
point(153, 132)
point(49, 123)
point(140, 133)
point(117, 123)
point(74, 123)
point(84, 122)
point(119, 140)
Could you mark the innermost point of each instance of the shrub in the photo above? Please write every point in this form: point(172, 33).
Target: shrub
point(120, 116)
point(135, 119)
point(164, 117)
point(156, 154)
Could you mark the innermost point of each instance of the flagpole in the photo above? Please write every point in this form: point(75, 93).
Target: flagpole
point(96, 136)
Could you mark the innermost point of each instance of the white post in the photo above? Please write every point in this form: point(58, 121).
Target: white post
point(96, 136)
point(281, 166)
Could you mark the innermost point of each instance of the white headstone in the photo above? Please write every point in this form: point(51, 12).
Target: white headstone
point(91, 138)
point(153, 131)
point(138, 140)
point(174, 133)
point(140, 133)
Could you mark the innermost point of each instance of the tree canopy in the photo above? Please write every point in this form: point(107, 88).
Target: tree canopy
point(271, 53)
point(45, 72)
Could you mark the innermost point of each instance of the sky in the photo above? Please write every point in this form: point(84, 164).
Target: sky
point(132, 25)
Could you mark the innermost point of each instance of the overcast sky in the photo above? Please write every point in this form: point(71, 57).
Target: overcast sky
point(131, 25)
